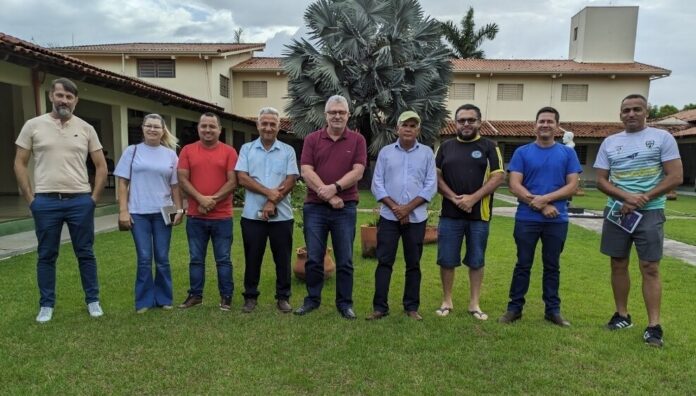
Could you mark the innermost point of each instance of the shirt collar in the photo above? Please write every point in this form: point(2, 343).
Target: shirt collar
point(257, 144)
point(398, 146)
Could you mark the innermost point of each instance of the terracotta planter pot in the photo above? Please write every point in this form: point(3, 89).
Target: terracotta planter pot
point(368, 240)
point(430, 234)
point(299, 267)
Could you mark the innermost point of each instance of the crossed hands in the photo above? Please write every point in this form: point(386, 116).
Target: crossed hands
point(401, 212)
point(541, 204)
point(464, 202)
point(206, 204)
point(634, 202)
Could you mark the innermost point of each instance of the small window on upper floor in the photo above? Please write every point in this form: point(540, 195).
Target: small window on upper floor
point(156, 68)
point(513, 92)
point(575, 33)
point(224, 86)
point(574, 92)
point(462, 91)
point(255, 89)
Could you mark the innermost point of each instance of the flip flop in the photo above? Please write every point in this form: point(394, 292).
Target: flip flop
point(478, 315)
point(443, 311)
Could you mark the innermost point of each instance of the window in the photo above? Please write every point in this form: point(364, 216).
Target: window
point(255, 89)
point(462, 91)
point(581, 151)
point(508, 150)
point(574, 93)
point(224, 86)
point(157, 68)
point(575, 33)
point(510, 92)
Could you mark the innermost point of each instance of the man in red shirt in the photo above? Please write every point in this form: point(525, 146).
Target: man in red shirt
point(206, 174)
point(333, 161)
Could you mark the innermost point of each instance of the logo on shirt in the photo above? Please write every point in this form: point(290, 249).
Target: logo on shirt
point(476, 154)
point(649, 143)
point(618, 149)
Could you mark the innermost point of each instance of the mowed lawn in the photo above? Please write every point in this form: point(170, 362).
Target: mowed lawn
point(206, 351)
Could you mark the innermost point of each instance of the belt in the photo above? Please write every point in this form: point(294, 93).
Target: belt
point(60, 195)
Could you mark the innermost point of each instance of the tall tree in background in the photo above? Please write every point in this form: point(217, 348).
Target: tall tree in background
point(384, 56)
point(464, 41)
point(238, 35)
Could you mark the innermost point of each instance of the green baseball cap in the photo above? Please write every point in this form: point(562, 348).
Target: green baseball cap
point(407, 115)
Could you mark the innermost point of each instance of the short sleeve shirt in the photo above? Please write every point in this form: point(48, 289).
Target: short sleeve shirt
point(151, 179)
point(60, 152)
point(333, 159)
point(208, 168)
point(465, 167)
point(544, 170)
point(634, 161)
point(269, 168)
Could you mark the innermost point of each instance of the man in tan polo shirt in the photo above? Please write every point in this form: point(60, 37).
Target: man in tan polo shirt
point(60, 143)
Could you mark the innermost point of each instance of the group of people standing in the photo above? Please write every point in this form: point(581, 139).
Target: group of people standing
point(636, 167)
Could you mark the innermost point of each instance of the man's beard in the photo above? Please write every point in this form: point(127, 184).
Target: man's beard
point(63, 112)
point(462, 136)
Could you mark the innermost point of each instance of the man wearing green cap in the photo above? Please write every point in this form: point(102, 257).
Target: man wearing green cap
point(404, 182)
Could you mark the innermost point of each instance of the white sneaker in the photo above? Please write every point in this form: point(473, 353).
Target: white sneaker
point(45, 314)
point(94, 309)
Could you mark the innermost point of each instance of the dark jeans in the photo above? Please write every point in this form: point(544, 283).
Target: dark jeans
point(254, 234)
point(388, 234)
point(199, 232)
point(527, 234)
point(50, 212)
point(152, 238)
point(319, 221)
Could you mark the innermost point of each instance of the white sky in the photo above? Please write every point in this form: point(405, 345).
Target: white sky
point(533, 29)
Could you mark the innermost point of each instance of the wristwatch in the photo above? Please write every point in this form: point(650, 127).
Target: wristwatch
point(338, 187)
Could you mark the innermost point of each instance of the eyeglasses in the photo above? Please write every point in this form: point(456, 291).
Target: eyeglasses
point(337, 113)
point(152, 126)
point(463, 121)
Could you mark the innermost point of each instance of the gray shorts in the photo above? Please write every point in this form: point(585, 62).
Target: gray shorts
point(648, 237)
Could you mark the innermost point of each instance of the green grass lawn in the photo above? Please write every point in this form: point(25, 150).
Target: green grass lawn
point(204, 350)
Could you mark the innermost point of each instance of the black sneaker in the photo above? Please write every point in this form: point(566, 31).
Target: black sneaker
point(618, 322)
point(653, 336)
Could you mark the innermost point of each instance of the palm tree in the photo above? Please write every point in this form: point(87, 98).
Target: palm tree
point(465, 43)
point(384, 56)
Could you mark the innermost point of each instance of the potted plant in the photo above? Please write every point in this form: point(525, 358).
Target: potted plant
point(297, 200)
point(368, 235)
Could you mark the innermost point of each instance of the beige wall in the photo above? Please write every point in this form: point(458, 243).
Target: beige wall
point(604, 34)
point(277, 90)
point(603, 98)
point(196, 77)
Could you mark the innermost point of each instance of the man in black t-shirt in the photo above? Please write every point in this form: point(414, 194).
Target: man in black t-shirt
point(469, 170)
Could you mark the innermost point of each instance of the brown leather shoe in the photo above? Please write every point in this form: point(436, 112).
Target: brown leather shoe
point(509, 317)
point(284, 306)
point(191, 301)
point(377, 315)
point(414, 315)
point(557, 319)
point(249, 305)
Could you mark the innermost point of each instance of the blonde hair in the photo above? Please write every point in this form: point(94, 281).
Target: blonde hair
point(168, 140)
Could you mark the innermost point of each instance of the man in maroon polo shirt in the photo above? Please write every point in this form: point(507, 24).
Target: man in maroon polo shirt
point(333, 161)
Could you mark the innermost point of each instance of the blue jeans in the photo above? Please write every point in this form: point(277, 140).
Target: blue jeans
point(527, 234)
point(319, 221)
point(50, 212)
point(152, 237)
point(199, 232)
point(388, 234)
point(450, 234)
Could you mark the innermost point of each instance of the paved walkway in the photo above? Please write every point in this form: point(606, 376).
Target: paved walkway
point(13, 245)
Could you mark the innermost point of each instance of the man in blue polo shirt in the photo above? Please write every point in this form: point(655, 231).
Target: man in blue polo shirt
point(543, 175)
point(267, 169)
point(404, 182)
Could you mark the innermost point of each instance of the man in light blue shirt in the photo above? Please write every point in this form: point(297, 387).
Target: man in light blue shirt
point(404, 181)
point(267, 169)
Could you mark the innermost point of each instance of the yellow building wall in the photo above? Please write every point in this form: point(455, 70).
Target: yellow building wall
point(277, 91)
